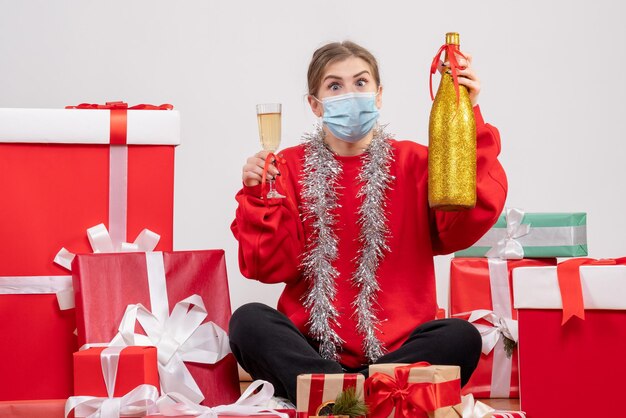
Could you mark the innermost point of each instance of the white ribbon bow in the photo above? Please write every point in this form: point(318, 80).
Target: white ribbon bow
point(101, 242)
point(490, 334)
point(473, 408)
point(179, 337)
point(250, 403)
point(508, 247)
point(141, 400)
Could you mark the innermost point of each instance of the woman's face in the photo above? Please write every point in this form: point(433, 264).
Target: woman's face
point(352, 75)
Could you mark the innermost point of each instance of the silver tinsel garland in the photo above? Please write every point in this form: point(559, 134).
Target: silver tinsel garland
point(320, 182)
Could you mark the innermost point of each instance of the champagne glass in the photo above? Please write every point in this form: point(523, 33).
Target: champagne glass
point(268, 117)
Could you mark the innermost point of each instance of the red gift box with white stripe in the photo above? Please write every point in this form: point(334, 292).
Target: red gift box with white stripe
point(59, 176)
point(316, 390)
point(572, 330)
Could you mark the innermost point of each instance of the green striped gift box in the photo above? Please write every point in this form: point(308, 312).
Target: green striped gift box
point(549, 235)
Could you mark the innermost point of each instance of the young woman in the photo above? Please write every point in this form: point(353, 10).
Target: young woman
point(354, 240)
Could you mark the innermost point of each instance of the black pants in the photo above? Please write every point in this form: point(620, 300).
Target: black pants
point(269, 347)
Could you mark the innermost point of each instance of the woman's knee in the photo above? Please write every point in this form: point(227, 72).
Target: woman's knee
point(246, 320)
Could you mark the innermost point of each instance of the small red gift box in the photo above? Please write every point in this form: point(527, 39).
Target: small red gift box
point(481, 284)
point(316, 390)
point(165, 284)
point(581, 359)
point(137, 366)
point(413, 390)
point(58, 177)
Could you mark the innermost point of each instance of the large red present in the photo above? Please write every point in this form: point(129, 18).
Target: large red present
point(58, 177)
point(315, 391)
point(171, 295)
point(481, 291)
point(579, 360)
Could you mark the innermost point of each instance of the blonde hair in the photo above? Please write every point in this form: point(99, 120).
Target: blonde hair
point(333, 52)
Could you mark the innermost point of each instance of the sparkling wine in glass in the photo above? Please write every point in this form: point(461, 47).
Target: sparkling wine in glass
point(268, 117)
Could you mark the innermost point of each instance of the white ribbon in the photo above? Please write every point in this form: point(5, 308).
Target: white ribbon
point(250, 403)
point(141, 400)
point(118, 192)
point(179, 337)
point(491, 334)
point(61, 286)
point(509, 247)
point(101, 242)
point(474, 409)
point(502, 324)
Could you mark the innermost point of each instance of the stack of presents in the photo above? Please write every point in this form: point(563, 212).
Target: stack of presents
point(100, 317)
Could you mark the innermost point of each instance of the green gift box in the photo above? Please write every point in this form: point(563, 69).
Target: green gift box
point(532, 235)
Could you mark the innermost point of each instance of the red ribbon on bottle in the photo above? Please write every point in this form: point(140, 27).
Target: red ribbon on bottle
point(452, 51)
point(118, 122)
point(414, 400)
point(568, 273)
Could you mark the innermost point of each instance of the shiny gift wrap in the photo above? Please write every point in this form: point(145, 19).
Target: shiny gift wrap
point(452, 142)
point(164, 283)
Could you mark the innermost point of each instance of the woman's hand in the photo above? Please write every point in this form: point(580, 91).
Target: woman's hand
point(253, 169)
point(467, 76)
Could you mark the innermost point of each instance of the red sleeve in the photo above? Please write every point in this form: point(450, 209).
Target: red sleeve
point(454, 231)
point(270, 238)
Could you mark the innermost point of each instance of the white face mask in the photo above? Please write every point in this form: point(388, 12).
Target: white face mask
point(350, 116)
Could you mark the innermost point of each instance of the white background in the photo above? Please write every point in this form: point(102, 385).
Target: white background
point(552, 75)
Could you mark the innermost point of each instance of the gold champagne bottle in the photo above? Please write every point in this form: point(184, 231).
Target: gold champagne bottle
point(451, 144)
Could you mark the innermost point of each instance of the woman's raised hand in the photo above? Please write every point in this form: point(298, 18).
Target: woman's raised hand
point(467, 76)
point(253, 169)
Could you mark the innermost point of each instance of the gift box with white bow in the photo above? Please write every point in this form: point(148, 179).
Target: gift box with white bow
point(517, 235)
point(129, 367)
point(61, 172)
point(176, 301)
point(481, 292)
point(572, 328)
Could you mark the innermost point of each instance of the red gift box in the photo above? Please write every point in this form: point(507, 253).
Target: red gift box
point(49, 408)
point(137, 366)
point(475, 283)
point(580, 360)
point(105, 284)
point(55, 183)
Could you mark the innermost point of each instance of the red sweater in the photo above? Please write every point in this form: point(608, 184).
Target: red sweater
point(272, 239)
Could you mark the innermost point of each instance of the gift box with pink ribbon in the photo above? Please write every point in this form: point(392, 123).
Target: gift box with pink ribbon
point(417, 390)
point(176, 301)
point(481, 292)
point(61, 172)
point(572, 328)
